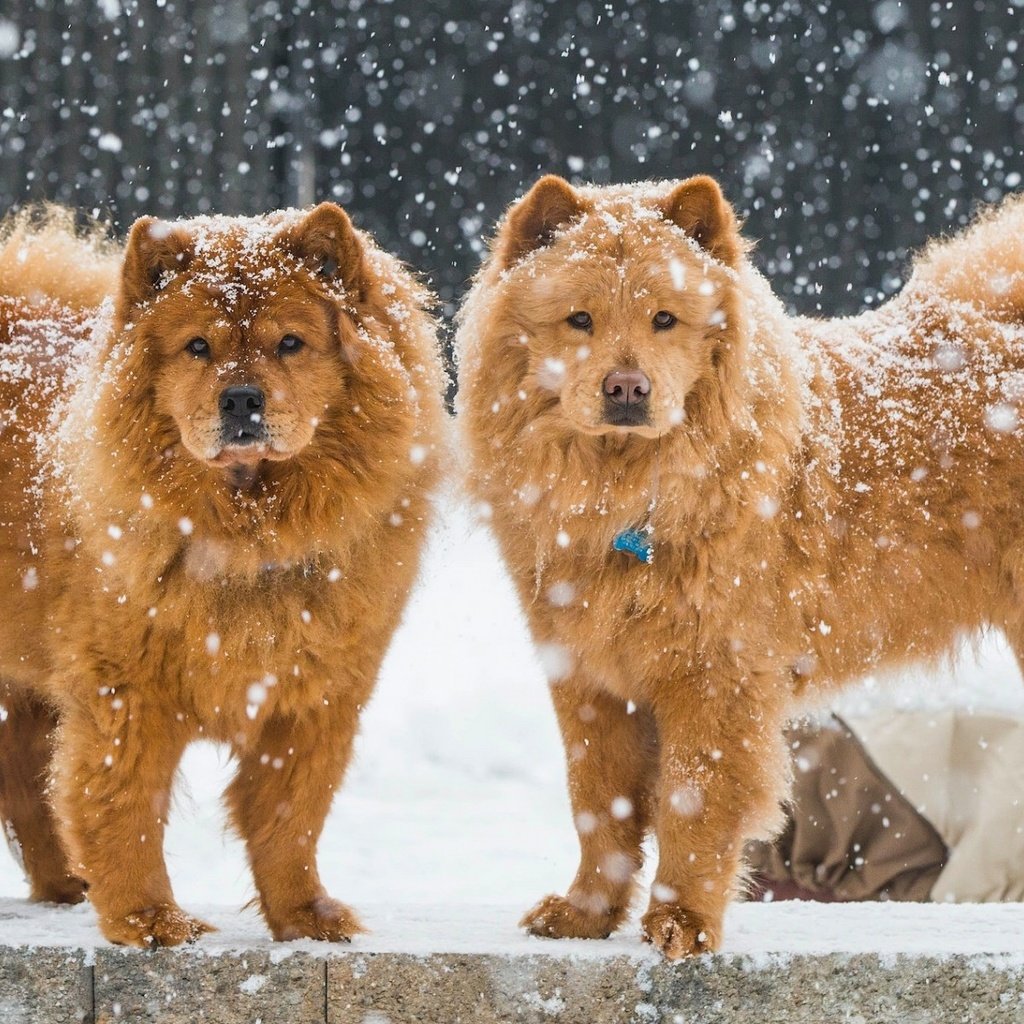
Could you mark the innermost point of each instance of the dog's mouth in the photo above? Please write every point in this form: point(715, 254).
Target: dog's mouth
point(250, 432)
point(621, 430)
point(243, 459)
point(241, 453)
point(246, 453)
point(246, 449)
point(243, 441)
point(627, 416)
point(252, 441)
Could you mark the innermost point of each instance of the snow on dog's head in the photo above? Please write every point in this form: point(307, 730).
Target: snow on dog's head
point(281, 364)
point(615, 304)
point(240, 316)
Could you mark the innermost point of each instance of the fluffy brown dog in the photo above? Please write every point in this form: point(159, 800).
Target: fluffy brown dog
point(807, 501)
point(213, 495)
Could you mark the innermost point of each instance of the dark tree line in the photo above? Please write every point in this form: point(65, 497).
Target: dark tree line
point(845, 132)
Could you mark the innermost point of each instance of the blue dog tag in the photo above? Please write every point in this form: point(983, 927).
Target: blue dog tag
point(636, 543)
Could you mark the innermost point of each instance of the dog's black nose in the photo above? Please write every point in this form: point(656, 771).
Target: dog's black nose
point(241, 415)
point(627, 387)
point(242, 403)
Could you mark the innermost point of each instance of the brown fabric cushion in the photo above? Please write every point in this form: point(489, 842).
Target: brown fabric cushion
point(850, 835)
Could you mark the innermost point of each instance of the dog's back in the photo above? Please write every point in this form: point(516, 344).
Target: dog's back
point(916, 463)
point(53, 278)
point(983, 267)
point(45, 256)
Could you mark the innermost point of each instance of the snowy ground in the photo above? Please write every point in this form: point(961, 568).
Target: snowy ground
point(454, 818)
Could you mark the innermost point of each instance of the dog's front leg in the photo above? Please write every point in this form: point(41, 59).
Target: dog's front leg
point(287, 774)
point(722, 775)
point(116, 759)
point(610, 750)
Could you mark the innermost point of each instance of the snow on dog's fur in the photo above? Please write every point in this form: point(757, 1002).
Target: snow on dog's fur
point(174, 564)
point(822, 499)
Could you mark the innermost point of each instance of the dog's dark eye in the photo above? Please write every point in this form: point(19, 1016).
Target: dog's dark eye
point(663, 320)
point(198, 347)
point(581, 321)
point(289, 345)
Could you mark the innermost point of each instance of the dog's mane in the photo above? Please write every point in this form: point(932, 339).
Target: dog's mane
point(323, 499)
point(735, 418)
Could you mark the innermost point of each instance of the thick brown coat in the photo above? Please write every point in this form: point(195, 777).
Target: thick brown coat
point(159, 584)
point(823, 498)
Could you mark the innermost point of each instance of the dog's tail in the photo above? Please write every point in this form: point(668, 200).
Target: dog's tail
point(46, 254)
point(984, 265)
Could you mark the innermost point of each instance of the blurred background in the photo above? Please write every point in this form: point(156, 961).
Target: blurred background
point(846, 131)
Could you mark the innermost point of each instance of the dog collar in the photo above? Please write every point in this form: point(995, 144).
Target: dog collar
point(636, 543)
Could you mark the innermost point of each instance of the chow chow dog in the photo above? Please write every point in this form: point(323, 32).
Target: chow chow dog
point(217, 451)
point(711, 508)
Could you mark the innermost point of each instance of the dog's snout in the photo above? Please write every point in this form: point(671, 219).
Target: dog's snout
point(242, 403)
point(627, 387)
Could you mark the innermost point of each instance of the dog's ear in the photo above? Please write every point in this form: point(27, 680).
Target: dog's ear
point(155, 251)
point(533, 221)
point(327, 241)
point(699, 208)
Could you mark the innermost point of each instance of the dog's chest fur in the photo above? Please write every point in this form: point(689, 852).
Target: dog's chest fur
point(604, 615)
point(232, 650)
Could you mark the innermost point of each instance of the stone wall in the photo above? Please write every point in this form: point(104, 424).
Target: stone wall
point(106, 985)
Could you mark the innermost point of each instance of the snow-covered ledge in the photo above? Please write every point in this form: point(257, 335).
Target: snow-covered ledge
point(784, 962)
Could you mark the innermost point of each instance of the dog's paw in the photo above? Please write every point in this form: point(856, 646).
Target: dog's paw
point(69, 890)
point(556, 918)
point(166, 925)
point(322, 918)
point(678, 932)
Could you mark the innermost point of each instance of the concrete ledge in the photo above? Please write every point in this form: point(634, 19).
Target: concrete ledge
point(237, 988)
point(38, 986)
point(805, 990)
point(489, 973)
point(47, 985)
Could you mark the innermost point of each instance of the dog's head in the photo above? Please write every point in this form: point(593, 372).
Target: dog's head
point(623, 299)
point(244, 323)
